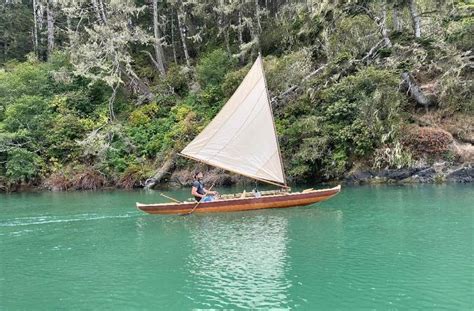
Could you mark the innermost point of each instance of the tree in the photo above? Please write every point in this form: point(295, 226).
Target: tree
point(15, 31)
point(50, 26)
point(181, 17)
point(102, 51)
point(380, 18)
point(159, 55)
point(415, 17)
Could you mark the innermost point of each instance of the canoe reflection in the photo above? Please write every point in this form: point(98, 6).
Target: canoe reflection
point(239, 261)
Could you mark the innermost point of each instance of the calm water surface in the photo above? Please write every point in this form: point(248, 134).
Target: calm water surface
point(387, 247)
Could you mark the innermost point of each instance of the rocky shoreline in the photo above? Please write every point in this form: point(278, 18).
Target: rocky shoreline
point(437, 173)
point(440, 172)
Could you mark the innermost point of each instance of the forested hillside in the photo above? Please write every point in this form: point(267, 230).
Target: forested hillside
point(104, 93)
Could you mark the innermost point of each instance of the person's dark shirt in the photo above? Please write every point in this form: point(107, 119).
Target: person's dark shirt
point(199, 189)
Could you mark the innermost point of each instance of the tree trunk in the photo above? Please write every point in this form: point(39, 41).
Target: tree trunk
point(50, 22)
point(40, 16)
point(240, 33)
point(159, 55)
point(257, 15)
point(173, 39)
point(383, 26)
point(97, 12)
point(102, 11)
point(227, 40)
point(111, 103)
point(259, 26)
point(225, 29)
point(415, 18)
point(68, 23)
point(161, 172)
point(415, 91)
point(137, 84)
point(397, 26)
point(35, 28)
point(182, 32)
point(296, 87)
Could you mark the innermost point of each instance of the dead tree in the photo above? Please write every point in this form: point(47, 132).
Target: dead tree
point(168, 164)
point(415, 91)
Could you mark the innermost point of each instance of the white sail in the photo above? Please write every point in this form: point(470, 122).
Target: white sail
point(242, 138)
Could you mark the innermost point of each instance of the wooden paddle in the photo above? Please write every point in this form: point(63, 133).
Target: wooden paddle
point(197, 204)
point(170, 198)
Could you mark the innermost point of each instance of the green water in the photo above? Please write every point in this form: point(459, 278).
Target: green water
point(407, 247)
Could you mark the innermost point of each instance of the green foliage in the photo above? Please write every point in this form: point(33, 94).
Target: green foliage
point(393, 156)
point(349, 121)
point(456, 94)
point(177, 78)
point(15, 31)
point(29, 113)
point(287, 70)
point(293, 28)
point(144, 114)
point(459, 29)
point(232, 80)
point(28, 78)
point(44, 111)
point(213, 67)
point(346, 38)
point(66, 129)
point(23, 165)
point(134, 175)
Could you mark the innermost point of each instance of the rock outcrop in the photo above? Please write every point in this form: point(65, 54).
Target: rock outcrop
point(438, 172)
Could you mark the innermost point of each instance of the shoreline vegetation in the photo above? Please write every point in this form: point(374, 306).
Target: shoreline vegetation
point(99, 94)
point(438, 173)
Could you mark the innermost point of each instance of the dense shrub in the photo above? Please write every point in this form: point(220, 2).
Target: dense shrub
point(44, 112)
point(23, 166)
point(177, 78)
point(428, 141)
point(212, 67)
point(348, 122)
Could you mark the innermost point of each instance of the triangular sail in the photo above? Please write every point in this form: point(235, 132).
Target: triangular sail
point(242, 138)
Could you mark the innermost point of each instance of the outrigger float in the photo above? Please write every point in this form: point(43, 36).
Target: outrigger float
point(242, 139)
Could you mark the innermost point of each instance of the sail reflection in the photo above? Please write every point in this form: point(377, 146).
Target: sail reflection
point(239, 261)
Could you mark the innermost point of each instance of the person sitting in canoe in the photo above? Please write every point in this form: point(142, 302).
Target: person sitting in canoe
point(198, 190)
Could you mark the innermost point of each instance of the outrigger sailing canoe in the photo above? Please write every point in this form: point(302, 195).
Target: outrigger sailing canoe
point(242, 139)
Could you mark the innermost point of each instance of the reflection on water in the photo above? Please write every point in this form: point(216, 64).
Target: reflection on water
point(239, 261)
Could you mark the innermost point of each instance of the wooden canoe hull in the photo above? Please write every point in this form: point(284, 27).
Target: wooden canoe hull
point(245, 204)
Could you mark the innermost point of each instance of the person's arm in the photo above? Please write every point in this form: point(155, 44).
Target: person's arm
point(210, 192)
point(195, 193)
